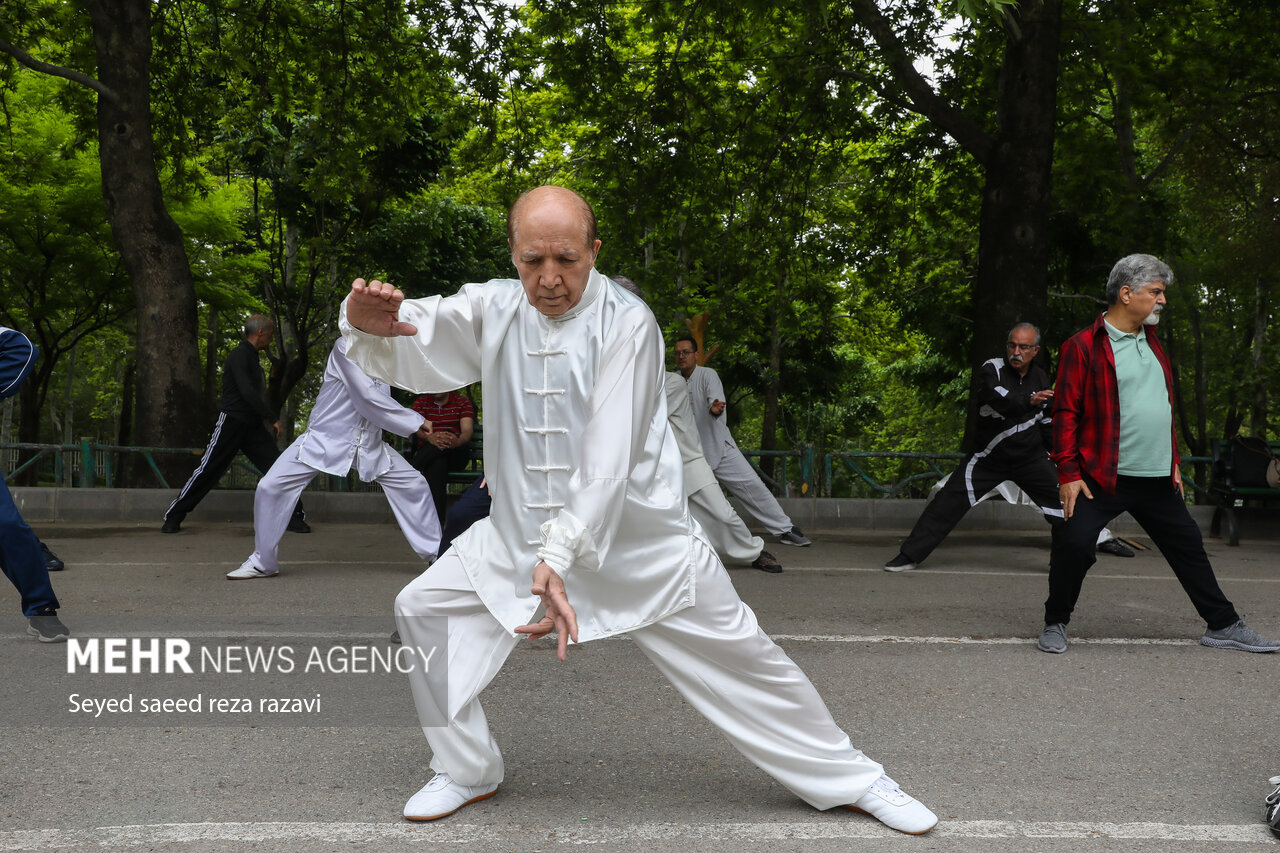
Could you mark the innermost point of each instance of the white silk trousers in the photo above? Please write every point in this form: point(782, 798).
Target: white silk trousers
point(278, 491)
point(736, 474)
point(725, 531)
point(714, 653)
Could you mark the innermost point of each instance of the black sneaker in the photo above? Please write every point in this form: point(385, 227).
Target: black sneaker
point(1116, 548)
point(766, 562)
point(51, 561)
point(794, 537)
point(395, 636)
point(900, 563)
point(298, 525)
point(46, 627)
point(172, 523)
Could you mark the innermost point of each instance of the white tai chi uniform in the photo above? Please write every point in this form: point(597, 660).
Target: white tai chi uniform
point(345, 432)
point(707, 504)
point(731, 468)
point(585, 475)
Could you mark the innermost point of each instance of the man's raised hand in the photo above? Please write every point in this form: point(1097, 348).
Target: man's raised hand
point(374, 307)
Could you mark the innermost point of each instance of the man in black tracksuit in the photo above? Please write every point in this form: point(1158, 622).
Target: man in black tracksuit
point(1014, 435)
point(241, 426)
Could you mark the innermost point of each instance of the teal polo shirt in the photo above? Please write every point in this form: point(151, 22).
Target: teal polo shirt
point(1146, 419)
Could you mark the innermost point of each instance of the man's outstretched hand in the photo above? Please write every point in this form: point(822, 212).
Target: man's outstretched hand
point(559, 617)
point(375, 308)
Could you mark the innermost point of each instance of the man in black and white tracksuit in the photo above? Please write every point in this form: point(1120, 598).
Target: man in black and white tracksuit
point(241, 427)
point(1013, 437)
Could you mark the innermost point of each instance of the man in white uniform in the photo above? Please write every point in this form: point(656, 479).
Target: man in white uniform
point(587, 508)
point(731, 468)
point(345, 431)
point(730, 538)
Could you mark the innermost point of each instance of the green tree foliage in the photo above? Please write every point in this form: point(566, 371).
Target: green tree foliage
point(862, 196)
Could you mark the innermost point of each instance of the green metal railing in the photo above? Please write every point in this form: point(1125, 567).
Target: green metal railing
point(857, 473)
point(88, 465)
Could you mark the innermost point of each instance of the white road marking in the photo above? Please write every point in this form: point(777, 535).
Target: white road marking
point(453, 833)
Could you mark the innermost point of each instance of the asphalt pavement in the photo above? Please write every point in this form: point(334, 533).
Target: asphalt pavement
point(1137, 739)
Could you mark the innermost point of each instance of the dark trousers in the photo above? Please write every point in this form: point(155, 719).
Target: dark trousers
point(471, 506)
point(1159, 508)
point(230, 436)
point(21, 559)
point(435, 464)
point(976, 476)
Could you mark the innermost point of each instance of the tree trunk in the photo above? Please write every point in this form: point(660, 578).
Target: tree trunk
point(68, 399)
point(769, 421)
point(1013, 236)
point(211, 362)
point(170, 408)
point(1258, 414)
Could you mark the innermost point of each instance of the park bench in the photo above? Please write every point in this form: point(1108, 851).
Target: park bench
point(474, 469)
point(1240, 474)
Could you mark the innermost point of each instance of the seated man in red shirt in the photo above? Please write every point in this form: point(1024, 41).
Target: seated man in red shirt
point(444, 449)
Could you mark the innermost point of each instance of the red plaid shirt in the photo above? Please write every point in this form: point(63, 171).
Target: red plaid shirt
point(1086, 407)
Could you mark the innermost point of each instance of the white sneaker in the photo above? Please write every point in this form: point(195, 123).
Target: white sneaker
point(248, 571)
point(893, 807)
point(442, 797)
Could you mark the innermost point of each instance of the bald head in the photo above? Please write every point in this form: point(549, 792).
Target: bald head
point(555, 195)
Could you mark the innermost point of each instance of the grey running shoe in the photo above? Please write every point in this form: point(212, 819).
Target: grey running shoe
point(794, 537)
point(46, 627)
point(900, 563)
point(1239, 636)
point(1053, 639)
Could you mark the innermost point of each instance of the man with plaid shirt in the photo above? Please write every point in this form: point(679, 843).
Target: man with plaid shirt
point(1116, 450)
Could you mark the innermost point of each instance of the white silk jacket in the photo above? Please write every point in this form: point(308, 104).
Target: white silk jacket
point(582, 467)
point(347, 420)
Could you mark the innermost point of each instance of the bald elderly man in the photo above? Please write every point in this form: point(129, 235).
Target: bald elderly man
point(589, 535)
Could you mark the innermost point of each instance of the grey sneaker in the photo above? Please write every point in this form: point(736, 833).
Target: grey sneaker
point(794, 537)
point(1239, 636)
point(46, 627)
point(1053, 639)
point(1273, 808)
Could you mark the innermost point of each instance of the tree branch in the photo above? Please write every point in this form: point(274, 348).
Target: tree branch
point(924, 100)
point(1090, 297)
point(57, 71)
